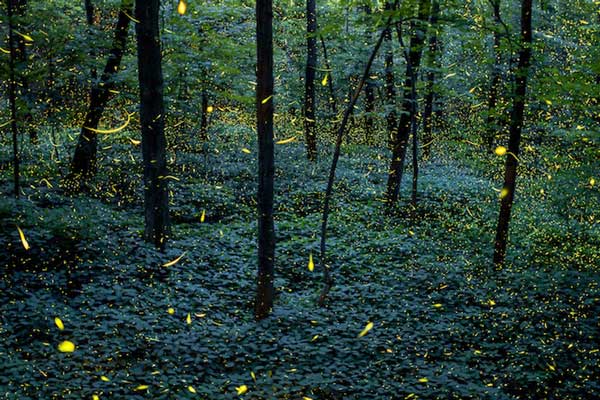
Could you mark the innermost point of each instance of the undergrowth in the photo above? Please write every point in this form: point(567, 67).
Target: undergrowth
point(446, 324)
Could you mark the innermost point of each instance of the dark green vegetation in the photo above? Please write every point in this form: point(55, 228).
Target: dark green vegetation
point(96, 302)
point(439, 309)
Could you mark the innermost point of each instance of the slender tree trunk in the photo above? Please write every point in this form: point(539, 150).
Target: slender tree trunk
point(266, 161)
point(336, 156)
point(13, 98)
point(310, 130)
point(152, 121)
point(492, 117)
point(89, 16)
point(19, 9)
point(351, 119)
point(50, 104)
point(413, 59)
point(596, 99)
point(430, 79)
point(415, 140)
point(369, 109)
point(332, 99)
point(390, 81)
point(85, 157)
point(516, 125)
point(204, 118)
point(89, 12)
point(369, 91)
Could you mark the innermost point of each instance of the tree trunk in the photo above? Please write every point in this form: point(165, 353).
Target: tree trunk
point(13, 98)
point(516, 125)
point(415, 140)
point(49, 113)
point(390, 88)
point(152, 121)
point(89, 16)
point(266, 162)
point(85, 157)
point(430, 79)
point(369, 91)
point(332, 99)
point(204, 117)
point(19, 8)
point(596, 99)
point(413, 59)
point(310, 130)
point(369, 109)
point(492, 113)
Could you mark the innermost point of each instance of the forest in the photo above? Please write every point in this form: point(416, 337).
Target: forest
point(303, 200)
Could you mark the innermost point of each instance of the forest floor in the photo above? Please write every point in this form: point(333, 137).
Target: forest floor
point(446, 324)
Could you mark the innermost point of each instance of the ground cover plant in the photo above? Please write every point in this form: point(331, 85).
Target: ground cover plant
point(167, 258)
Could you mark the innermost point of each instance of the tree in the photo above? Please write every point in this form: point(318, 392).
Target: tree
point(492, 113)
point(12, 97)
point(369, 87)
point(390, 82)
point(152, 120)
point(408, 109)
point(329, 77)
point(89, 17)
point(432, 65)
point(266, 162)
point(310, 129)
point(516, 125)
point(85, 157)
point(204, 116)
point(19, 8)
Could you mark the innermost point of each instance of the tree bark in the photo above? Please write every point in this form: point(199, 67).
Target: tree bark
point(13, 98)
point(332, 99)
point(596, 99)
point(390, 88)
point(266, 162)
point(430, 79)
point(310, 130)
point(19, 8)
point(204, 117)
point(85, 157)
point(152, 121)
point(89, 16)
point(492, 118)
point(516, 125)
point(369, 91)
point(415, 140)
point(413, 61)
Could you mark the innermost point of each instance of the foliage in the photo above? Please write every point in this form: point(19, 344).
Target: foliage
point(437, 320)
point(445, 325)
